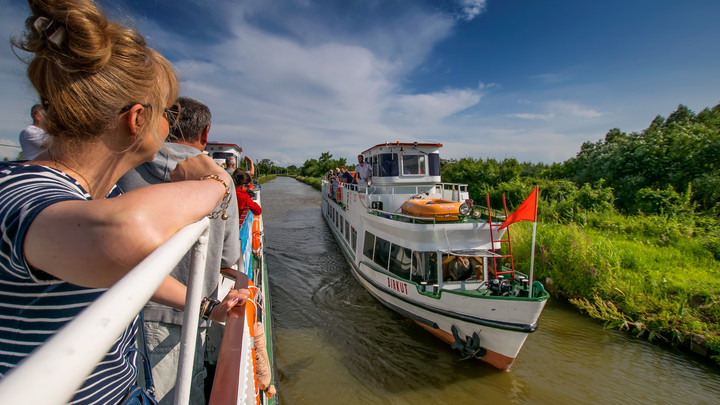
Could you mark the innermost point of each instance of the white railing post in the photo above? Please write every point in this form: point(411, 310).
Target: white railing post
point(191, 319)
point(52, 374)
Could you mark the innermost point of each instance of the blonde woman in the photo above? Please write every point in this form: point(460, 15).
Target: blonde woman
point(68, 233)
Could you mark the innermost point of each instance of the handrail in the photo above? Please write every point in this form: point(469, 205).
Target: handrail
point(52, 374)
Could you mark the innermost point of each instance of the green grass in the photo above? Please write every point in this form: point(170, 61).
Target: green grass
point(641, 274)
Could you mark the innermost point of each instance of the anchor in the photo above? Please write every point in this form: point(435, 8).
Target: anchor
point(470, 348)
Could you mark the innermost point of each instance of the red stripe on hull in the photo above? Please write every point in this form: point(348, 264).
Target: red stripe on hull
point(496, 360)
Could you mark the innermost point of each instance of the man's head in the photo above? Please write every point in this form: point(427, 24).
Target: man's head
point(360, 159)
point(36, 113)
point(230, 162)
point(343, 169)
point(193, 125)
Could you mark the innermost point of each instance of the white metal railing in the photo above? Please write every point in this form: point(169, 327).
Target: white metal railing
point(53, 373)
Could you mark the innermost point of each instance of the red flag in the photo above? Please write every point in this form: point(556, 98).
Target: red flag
point(527, 211)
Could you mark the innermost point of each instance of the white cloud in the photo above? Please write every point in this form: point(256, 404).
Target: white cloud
point(472, 8)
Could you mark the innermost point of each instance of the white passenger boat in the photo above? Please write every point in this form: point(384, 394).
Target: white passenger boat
point(423, 249)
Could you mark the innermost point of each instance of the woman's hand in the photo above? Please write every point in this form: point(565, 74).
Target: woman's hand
point(234, 297)
point(198, 166)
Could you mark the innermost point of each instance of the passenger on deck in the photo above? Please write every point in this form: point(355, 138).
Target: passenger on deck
point(33, 139)
point(242, 184)
point(457, 268)
point(68, 233)
point(363, 171)
point(345, 176)
point(251, 167)
point(230, 165)
point(163, 324)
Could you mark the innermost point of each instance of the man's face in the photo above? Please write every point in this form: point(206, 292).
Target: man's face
point(360, 159)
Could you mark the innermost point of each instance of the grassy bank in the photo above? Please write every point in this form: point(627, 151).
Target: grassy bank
point(665, 289)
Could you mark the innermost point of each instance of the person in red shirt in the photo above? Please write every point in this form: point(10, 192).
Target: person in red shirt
point(242, 184)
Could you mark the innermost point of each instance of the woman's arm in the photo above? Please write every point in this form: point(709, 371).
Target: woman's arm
point(94, 243)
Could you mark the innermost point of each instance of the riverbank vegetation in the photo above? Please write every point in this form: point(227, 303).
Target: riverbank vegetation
point(629, 228)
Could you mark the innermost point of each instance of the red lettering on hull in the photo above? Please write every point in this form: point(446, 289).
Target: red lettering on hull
point(397, 286)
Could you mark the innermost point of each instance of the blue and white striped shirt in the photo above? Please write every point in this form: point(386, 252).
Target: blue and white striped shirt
point(35, 305)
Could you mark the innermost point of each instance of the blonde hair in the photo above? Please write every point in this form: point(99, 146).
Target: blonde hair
point(86, 68)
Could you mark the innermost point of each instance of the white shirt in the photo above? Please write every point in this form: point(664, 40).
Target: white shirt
point(363, 171)
point(31, 140)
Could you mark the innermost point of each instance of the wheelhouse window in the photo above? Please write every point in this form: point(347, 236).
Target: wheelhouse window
point(387, 165)
point(413, 164)
point(434, 164)
point(221, 155)
point(424, 267)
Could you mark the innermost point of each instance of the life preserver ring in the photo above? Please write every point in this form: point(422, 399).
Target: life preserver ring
point(256, 235)
point(339, 193)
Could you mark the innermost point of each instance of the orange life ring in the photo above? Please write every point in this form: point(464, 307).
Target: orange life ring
point(339, 193)
point(256, 235)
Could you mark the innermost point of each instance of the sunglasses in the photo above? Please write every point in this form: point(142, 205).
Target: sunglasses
point(171, 114)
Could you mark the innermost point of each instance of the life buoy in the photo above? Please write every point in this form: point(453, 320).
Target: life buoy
point(339, 193)
point(256, 235)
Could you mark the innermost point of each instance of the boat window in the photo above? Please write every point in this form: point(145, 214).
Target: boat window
point(369, 246)
point(434, 164)
point(413, 164)
point(353, 240)
point(347, 231)
point(387, 165)
point(382, 251)
point(221, 155)
point(424, 267)
point(400, 258)
point(341, 226)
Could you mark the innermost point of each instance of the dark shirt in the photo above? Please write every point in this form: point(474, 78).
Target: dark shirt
point(346, 177)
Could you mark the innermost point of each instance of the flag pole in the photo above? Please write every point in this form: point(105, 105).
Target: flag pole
point(532, 258)
point(532, 251)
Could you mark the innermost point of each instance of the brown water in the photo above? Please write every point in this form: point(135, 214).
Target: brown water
point(335, 344)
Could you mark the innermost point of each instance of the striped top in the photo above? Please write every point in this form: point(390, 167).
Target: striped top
point(34, 305)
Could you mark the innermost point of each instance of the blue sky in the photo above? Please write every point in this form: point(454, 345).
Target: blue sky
point(528, 79)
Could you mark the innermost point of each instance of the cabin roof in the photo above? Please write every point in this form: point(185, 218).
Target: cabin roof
point(231, 145)
point(417, 144)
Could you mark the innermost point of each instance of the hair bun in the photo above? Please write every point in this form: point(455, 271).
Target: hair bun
point(77, 32)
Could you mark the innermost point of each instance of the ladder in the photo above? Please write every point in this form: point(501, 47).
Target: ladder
point(499, 271)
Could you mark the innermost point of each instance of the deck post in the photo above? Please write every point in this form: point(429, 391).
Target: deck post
point(191, 319)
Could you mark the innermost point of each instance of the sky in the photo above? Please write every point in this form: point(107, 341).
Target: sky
point(532, 80)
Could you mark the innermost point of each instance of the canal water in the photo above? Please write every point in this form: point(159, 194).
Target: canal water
point(335, 344)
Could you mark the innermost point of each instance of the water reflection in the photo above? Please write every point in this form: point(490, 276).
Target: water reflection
point(335, 344)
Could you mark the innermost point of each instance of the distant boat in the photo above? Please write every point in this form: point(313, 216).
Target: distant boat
point(423, 249)
point(219, 151)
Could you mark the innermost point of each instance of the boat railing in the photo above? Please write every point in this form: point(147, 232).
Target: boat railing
point(52, 374)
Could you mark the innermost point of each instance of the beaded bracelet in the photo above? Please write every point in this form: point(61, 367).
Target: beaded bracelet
point(207, 306)
point(220, 212)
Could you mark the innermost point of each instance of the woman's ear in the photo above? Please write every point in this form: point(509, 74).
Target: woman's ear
point(136, 118)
